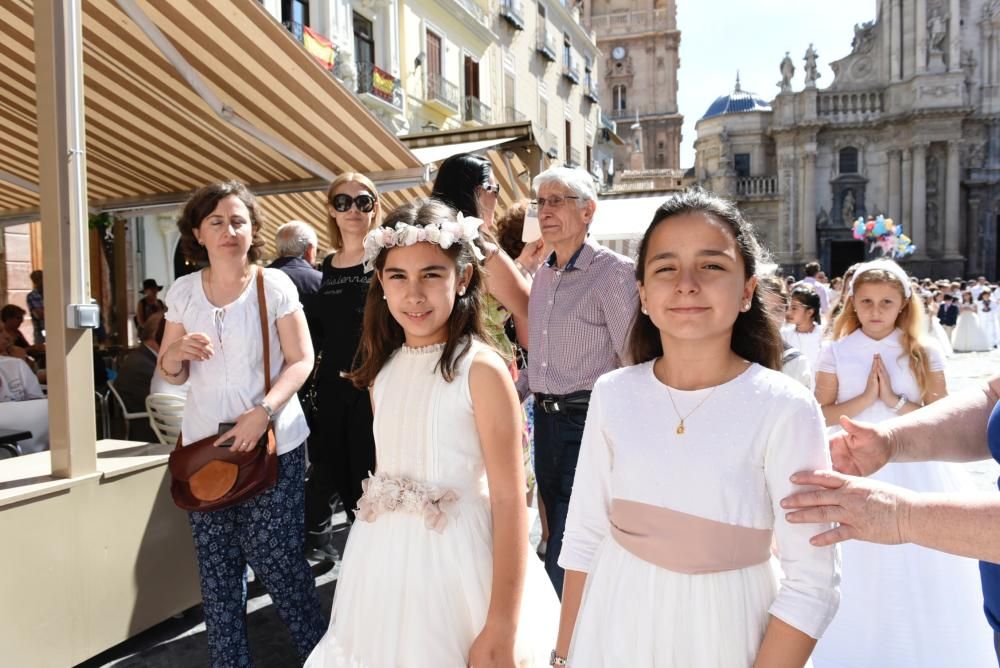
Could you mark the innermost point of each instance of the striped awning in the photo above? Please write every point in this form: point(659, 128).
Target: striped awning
point(186, 92)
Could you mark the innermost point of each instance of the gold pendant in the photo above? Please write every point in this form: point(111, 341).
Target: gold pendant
point(680, 428)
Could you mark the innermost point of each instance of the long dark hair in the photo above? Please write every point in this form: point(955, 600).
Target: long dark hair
point(808, 297)
point(755, 335)
point(382, 335)
point(457, 180)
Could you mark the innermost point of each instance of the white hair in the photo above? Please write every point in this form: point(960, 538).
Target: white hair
point(577, 180)
point(294, 238)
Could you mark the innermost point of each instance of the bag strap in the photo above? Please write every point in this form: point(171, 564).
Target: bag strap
point(262, 307)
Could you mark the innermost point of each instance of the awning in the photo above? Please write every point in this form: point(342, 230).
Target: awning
point(624, 217)
point(430, 154)
point(182, 93)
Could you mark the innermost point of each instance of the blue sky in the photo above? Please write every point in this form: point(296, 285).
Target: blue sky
point(719, 37)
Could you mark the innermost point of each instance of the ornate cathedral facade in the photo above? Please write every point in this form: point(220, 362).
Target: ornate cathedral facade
point(909, 128)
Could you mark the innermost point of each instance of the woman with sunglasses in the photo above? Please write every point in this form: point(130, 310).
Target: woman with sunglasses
point(466, 183)
point(346, 449)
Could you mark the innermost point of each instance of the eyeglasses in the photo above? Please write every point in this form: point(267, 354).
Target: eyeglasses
point(555, 201)
point(342, 203)
point(492, 188)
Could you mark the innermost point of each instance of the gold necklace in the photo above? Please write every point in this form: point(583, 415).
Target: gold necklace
point(680, 425)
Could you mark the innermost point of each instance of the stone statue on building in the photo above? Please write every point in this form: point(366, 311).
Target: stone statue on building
point(787, 72)
point(345, 69)
point(822, 218)
point(864, 37)
point(937, 31)
point(847, 207)
point(812, 72)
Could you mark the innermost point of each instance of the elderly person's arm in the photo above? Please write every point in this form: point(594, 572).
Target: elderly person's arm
point(951, 429)
point(877, 512)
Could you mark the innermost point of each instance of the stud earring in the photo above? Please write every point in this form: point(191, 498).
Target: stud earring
point(461, 291)
point(746, 307)
point(643, 309)
point(385, 298)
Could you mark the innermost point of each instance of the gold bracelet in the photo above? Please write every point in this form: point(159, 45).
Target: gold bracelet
point(166, 373)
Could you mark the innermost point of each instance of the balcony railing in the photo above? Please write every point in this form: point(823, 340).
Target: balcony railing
point(511, 115)
point(513, 12)
point(607, 123)
point(379, 83)
point(546, 45)
point(621, 23)
point(574, 157)
point(590, 92)
point(443, 91)
point(571, 71)
point(476, 110)
point(756, 186)
point(853, 107)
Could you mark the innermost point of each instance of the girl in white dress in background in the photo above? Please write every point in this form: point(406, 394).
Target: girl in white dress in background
point(987, 318)
point(805, 329)
point(684, 458)
point(969, 335)
point(902, 606)
point(935, 332)
point(437, 572)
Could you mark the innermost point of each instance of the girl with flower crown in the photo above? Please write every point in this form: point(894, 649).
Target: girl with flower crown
point(436, 571)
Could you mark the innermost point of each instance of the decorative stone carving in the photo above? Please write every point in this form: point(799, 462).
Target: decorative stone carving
point(787, 68)
point(822, 218)
point(345, 69)
point(937, 31)
point(864, 37)
point(812, 72)
point(847, 207)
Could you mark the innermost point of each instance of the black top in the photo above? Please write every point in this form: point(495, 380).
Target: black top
point(336, 314)
point(305, 277)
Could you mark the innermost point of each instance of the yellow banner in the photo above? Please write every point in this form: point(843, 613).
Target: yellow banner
point(319, 46)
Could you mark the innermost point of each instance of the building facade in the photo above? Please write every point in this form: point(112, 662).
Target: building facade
point(639, 42)
point(909, 128)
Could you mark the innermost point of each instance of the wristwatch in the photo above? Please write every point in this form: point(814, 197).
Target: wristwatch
point(556, 660)
point(267, 409)
point(899, 404)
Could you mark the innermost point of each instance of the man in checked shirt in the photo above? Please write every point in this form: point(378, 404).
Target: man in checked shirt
point(583, 300)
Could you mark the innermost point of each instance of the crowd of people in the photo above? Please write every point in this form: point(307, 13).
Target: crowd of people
point(697, 432)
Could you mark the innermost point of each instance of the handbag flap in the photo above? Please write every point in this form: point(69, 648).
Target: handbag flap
point(213, 480)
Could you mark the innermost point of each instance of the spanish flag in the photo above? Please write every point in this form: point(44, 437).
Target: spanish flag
point(319, 46)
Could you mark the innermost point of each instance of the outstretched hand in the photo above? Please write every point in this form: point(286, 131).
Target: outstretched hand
point(861, 449)
point(866, 510)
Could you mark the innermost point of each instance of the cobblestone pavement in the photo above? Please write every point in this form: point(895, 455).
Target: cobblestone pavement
point(181, 642)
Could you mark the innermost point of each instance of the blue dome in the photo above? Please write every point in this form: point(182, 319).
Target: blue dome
point(737, 102)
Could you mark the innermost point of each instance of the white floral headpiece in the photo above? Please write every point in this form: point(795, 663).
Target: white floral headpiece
point(465, 229)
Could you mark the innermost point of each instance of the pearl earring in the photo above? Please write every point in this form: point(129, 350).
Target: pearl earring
point(385, 298)
point(461, 291)
point(643, 309)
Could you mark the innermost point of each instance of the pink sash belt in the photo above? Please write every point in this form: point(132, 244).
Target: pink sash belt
point(686, 543)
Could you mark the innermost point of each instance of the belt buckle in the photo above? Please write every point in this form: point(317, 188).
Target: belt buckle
point(551, 406)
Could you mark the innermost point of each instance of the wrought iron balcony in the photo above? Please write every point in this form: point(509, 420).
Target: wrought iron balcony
point(512, 11)
point(442, 91)
point(546, 45)
point(571, 71)
point(477, 111)
point(379, 83)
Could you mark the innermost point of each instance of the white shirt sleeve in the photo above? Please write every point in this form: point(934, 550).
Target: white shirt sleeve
point(587, 523)
point(800, 370)
point(29, 381)
point(282, 295)
point(827, 360)
point(809, 593)
point(178, 297)
point(935, 360)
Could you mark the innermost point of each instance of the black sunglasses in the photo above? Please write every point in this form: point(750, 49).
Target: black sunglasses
point(342, 203)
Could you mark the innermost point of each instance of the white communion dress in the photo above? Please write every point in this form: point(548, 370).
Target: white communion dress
point(902, 606)
point(936, 332)
point(969, 335)
point(675, 531)
point(415, 581)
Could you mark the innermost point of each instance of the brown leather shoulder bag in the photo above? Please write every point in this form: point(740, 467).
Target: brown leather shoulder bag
point(206, 478)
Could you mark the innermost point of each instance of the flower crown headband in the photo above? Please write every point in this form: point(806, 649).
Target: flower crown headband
point(463, 230)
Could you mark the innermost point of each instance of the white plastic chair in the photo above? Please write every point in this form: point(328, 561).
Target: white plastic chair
point(121, 404)
point(166, 412)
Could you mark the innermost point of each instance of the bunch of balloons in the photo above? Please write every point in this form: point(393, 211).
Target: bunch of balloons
point(881, 232)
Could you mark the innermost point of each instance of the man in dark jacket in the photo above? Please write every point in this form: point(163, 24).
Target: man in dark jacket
point(948, 314)
point(297, 245)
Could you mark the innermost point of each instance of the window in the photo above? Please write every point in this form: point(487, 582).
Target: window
point(741, 163)
point(509, 86)
point(471, 77)
point(588, 76)
point(541, 16)
point(364, 40)
point(569, 143)
point(543, 112)
point(848, 160)
point(618, 95)
point(433, 54)
point(567, 51)
point(295, 15)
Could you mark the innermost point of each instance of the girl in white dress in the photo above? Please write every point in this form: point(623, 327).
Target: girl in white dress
point(902, 606)
point(684, 458)
point(984, 306)
point(969, 335)
point(935, 332)
point(805, 329)
point(437, 570)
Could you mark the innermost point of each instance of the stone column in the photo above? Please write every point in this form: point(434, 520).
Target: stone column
point(953, 211)
point(954, 37)
point(895, 48)
point(918, 214)
point(906, 187)
point(809, 204)
point(893, 205)
point(885, 28)
point(920, 47)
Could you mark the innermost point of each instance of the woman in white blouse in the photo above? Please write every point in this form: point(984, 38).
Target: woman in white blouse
point(213, 339)
point(684, 458)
